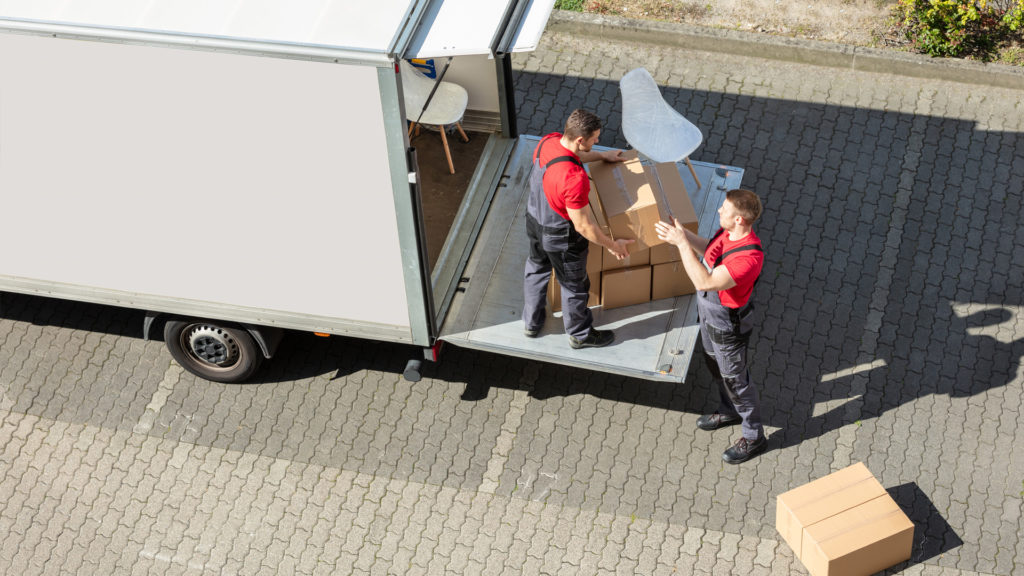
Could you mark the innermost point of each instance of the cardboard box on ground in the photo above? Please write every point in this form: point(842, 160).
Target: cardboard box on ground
point(627, 199)
point(844, 524)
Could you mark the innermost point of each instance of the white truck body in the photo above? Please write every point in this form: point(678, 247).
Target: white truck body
point(249, 163)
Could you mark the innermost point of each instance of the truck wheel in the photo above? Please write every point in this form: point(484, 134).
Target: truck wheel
point(218, 353)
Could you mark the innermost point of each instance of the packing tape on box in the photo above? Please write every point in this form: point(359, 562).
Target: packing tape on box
point(629, 198)
point(659, 189)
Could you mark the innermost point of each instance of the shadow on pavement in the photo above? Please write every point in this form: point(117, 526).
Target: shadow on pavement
point(933, 536)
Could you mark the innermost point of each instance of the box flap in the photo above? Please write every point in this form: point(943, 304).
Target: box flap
point(669, 189)
point(598, 211)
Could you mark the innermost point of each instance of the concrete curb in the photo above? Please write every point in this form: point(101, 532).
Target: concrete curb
point(789, 49)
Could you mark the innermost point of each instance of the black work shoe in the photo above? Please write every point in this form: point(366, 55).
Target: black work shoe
point(744, 450)
point(596, 339)
point(531, 332)
point(716, 421)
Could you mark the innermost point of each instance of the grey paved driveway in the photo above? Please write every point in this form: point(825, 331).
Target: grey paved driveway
point(892, 332)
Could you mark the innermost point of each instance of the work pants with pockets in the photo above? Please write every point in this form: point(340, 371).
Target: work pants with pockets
point(570, 266)
point(725, 335)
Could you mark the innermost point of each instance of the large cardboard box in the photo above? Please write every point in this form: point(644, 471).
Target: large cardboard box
point(632, 198)
point(627, 199)
point(625, 287)
point(593, 272)
point(844, 524)
point(669, 280)
point(636, 257)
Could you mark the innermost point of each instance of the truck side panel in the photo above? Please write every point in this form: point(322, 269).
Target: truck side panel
point(240, 183)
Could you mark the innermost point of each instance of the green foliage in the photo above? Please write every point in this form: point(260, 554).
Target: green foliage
point(1014, 18)
point(573, 5)
point(956, 27)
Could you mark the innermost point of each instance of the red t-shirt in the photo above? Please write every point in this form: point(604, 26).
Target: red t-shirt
point(743, 266)
point(565, 183)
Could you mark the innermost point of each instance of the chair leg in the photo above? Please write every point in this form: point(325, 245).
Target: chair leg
point(447, 153)
point(411, 126)
point(694, 173)
point(461, 132)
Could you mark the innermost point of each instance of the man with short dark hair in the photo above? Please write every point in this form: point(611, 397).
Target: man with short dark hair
point(560, 227)
point(735, 259)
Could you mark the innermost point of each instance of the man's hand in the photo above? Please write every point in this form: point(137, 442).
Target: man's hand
point(673, 233)
point(620, 251)
point(612, 156)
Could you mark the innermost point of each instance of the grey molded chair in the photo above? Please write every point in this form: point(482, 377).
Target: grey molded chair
point(653, 127)
point(446, 107)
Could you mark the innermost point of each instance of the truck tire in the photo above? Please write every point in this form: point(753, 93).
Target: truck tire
point(215, 352)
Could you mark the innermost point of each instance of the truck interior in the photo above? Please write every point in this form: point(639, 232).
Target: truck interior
point(441, 192)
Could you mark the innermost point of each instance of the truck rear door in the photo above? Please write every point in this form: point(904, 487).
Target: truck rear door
point(654, 340)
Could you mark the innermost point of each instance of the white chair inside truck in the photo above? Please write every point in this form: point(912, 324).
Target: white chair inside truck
point(652, 126)
point(446, 107)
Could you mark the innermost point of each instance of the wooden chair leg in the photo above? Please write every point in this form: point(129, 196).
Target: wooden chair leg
point(461, 132)
point(693, 173)
point(447, 153)
point(411, 126)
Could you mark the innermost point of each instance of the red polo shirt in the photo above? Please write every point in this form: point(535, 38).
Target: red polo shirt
point(566, 185)
point(744, 266)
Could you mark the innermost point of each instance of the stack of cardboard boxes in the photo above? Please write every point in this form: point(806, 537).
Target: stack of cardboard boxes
point(627, 199)
point(844, 524)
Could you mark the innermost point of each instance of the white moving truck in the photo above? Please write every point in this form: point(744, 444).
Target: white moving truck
point(236, 169)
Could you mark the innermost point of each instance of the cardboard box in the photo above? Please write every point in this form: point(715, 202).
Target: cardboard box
point(593, 272)
point(670, 192)
point(663, 253)
point(632, 197)
point(598, 211)
point(669, 280)
point(636, 258)
point(625, 287)
point(627, 199)
point(844, 524)
point(675, 202)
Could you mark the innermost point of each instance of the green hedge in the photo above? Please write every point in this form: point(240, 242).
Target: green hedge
point(958, 28)
point(574, 5)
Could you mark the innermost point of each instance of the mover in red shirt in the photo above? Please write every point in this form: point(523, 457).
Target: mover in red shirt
point(725, 280)
point(560, 228)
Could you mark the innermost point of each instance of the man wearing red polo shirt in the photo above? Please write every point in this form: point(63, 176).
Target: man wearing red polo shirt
point(732, 263)
point(560, 228)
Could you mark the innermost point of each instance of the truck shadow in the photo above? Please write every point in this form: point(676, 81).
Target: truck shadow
point(300, 355)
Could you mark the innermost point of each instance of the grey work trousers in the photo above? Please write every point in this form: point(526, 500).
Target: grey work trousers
point(725, 338)
point(570, 268)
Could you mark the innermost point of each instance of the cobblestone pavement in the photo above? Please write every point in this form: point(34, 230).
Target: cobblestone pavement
point(892, 333)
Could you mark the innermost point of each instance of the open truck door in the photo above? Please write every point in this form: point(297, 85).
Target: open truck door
point(654, 340)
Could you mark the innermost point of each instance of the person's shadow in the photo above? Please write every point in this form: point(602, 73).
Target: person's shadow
point(984, 350)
